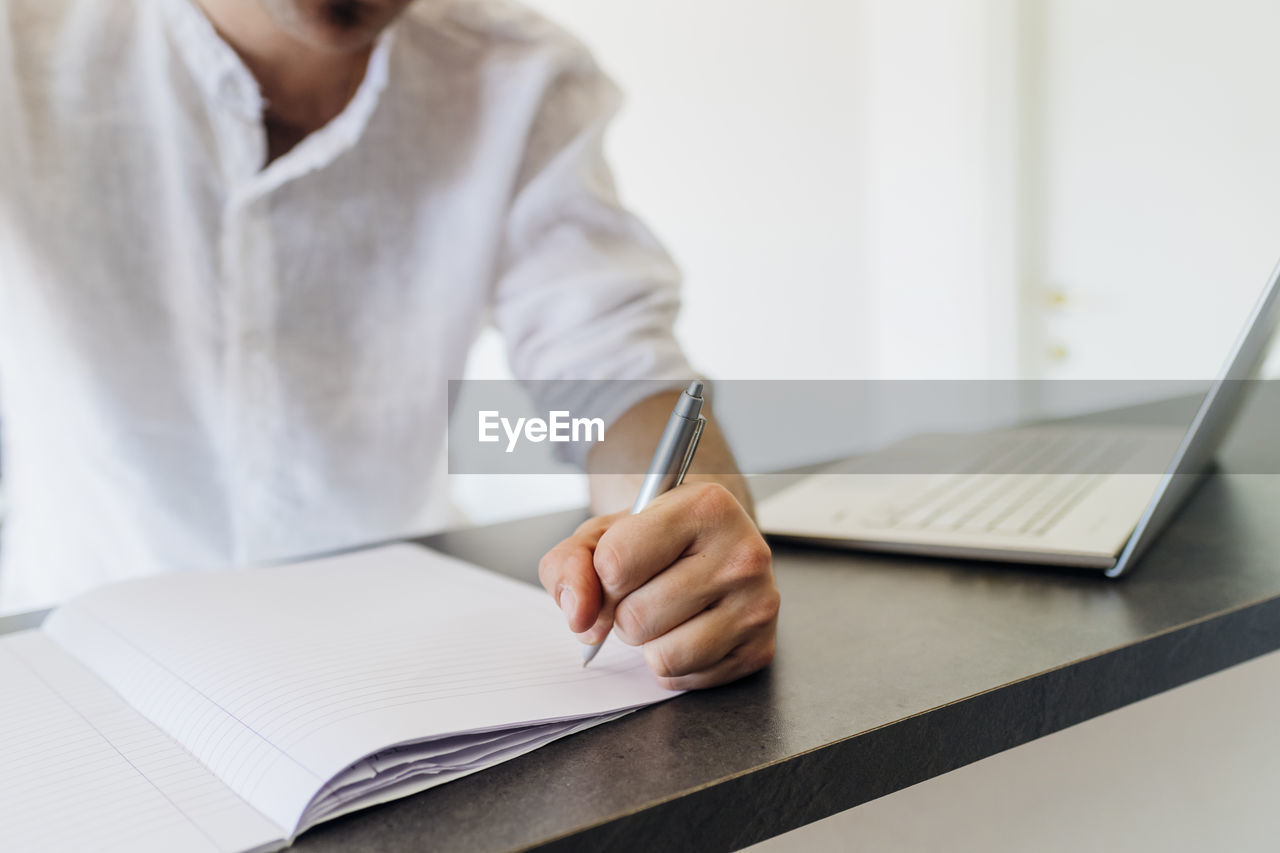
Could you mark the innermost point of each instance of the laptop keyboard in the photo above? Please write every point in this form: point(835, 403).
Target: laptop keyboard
point(1041, 479)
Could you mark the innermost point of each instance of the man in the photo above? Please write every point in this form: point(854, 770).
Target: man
point(246, 242)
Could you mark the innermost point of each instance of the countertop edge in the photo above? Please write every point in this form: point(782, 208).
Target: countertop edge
point(819, 783)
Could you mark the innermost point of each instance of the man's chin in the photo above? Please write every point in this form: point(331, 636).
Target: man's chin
point(342, 26)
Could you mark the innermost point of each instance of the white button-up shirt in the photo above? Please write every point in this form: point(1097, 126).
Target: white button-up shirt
point(205, 361)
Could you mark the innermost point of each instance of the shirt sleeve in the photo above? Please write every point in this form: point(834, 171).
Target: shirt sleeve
point(586, 297)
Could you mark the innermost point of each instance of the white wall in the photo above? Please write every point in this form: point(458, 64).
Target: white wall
point(1158, 180)
point(742, 146)
point(941, 133)
point(790, 155)
point(940, 188)
point(816, 166)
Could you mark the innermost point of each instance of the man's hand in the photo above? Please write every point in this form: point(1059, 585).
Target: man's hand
point(689, 579)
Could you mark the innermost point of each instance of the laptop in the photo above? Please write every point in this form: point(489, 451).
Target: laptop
point(1074, 496)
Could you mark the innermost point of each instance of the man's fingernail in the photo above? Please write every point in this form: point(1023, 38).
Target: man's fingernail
point(568, 603)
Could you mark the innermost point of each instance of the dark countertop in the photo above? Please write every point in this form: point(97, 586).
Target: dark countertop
point(890, 670)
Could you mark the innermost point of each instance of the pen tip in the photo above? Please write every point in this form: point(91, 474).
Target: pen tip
point(694, 389)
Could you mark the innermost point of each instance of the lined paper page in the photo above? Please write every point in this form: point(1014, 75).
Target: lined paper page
point(300, 671)
point(81, 770)
point(191, 717)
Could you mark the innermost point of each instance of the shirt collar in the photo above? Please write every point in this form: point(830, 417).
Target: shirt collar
point(324, 145)
point(224, 78)
point(214, 65)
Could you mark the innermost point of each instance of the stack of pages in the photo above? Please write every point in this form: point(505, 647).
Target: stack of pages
point(231, 711)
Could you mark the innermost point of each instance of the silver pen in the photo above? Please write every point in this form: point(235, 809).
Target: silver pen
point(670, 461)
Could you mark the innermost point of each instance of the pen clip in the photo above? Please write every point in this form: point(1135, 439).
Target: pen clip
point(688, 456)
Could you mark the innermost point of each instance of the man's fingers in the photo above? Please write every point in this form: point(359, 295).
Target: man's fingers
point(695, 652)
point(689, 579)
point(568, 573)
point(637, 547)
point(673, 597)
point(742, 661)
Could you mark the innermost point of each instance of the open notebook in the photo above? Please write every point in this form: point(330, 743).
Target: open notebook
point(233, 710)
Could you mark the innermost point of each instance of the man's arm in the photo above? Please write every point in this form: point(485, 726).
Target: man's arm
point(689, 579)
point(584, 291)
point(632, 438)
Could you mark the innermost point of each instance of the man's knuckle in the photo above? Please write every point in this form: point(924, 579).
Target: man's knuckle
point(609, 563)
point(549, 565)
point(659, 660)
point(735, 575)
point(763, 653)
point(630, 622)
point(763, 611)
point(773, 601)
point(713, 500)
point(746, 567)
point(753, 555)
point(592, 527)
